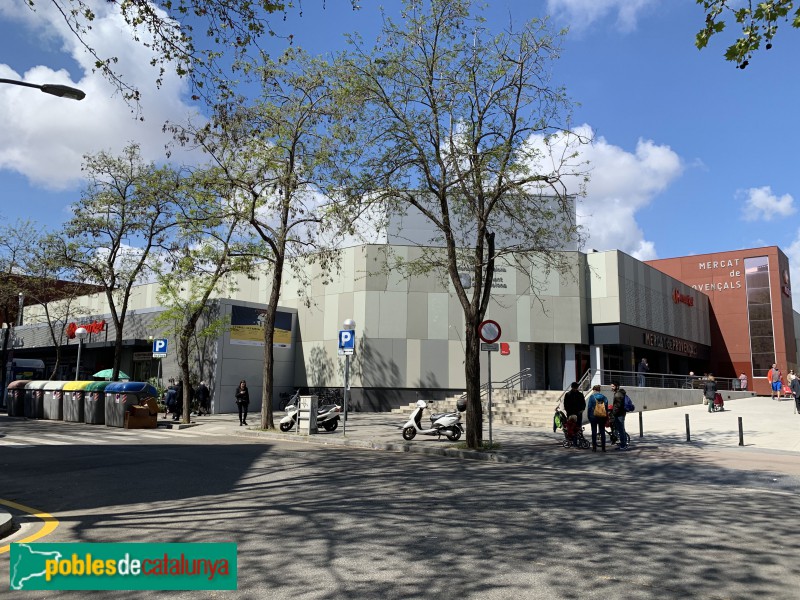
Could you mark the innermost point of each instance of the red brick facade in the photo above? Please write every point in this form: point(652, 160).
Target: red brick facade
point(743, 301)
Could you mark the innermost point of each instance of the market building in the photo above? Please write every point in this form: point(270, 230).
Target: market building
point(753, 324)
point(605, 312)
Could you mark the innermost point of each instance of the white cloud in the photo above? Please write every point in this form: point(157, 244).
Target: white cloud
point(621, 183)
point(582, 13)
point(762, 205)
point(793, 253)
point(48, 136)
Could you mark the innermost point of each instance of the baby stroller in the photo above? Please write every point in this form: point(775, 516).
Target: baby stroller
point(573, 435)
point(719, 404)
point(613, 435)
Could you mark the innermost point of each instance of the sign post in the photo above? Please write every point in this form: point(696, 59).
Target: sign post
point(159, 352)
point(489, 332)
point(347, 347)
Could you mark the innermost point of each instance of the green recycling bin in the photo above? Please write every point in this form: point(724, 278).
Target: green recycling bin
point(53, 403)
point(122, 395)
point(34, 399)
point(94, 402)
point(74, 392)
point(15, 398)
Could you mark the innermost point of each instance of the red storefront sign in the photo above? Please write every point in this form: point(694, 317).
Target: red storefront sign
point(93, 327)
point(679, 298)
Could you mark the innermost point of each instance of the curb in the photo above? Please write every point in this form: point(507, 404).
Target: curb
point(386, 446)
point(6, 522)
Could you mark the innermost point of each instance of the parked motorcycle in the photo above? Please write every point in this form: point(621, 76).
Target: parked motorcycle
point(327, 416)
point(447, 424)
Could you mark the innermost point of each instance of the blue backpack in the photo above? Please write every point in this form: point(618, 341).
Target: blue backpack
point(629, 406)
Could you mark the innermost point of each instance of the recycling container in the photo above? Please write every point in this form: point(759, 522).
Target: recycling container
point(16, 397)
point(53, 406)
point(74, 392)
point(94, 402)
point(122, 395)
point(34, 399)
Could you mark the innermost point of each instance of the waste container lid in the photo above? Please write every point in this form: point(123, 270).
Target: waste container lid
point(74, 386)
point(36, 385)
point(131, 387)
point(55, 385)
point(19, 383)
point(97, 386)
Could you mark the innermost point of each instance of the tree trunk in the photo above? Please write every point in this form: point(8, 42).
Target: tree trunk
point(269, 351)
point(472, 372)
point(117, 350)
point(4, 359)
point(183, 358)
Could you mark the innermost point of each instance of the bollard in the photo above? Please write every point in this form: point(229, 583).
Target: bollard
point(641, 427)
point(688, 436)
point(741, 433)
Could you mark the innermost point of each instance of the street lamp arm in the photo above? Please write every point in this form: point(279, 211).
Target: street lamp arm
point(62, 91)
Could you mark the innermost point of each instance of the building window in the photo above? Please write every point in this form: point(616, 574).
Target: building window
point(759, 312)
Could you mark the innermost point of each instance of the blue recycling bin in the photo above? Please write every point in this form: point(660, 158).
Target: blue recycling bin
point(120, 396)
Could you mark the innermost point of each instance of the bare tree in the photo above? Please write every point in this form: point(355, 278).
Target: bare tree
point(204, 251)
point(274, 156)
point(124, 213)
point(462, 128)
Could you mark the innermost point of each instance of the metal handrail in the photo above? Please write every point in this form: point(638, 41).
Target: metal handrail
point(665, 380)
point(506, 383)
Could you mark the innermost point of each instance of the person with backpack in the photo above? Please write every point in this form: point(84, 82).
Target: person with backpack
point(170, 399)
point(618, 414)
point(710, 391)
point(203, 399)
point(597, 411)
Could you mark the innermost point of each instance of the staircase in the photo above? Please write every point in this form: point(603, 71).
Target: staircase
point(510, 407)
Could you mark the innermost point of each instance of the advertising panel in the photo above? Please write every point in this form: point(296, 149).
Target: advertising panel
point(247, 327)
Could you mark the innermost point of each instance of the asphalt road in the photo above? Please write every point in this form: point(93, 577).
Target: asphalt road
point(320, 522)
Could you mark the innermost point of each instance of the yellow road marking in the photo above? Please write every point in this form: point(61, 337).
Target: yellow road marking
point(50, 523)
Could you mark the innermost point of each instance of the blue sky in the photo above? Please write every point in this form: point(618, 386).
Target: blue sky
point(691, 155)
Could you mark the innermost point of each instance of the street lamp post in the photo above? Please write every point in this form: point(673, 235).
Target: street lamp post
point(21, 308)
point(348, 325)
point(54, 89)
point(81, 334)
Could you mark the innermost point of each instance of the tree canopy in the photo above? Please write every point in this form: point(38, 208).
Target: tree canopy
point(758, 21)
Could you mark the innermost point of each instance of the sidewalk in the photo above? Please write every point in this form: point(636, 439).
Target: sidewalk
point(770, 428)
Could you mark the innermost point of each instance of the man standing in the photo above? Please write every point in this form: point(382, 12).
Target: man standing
point(597, 413)
point(642, 370)
point(618, 413)
point(574, 403)
point(775, 380)
point(203, 397)
point(795, 385)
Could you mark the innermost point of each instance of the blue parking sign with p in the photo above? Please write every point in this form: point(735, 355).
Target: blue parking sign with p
point(347, 340)
point(160, 347)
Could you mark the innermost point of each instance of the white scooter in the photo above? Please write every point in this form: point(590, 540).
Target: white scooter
point(447, 424)
point(327, 416)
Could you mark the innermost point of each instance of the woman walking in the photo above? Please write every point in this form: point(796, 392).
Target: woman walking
point(242, 401)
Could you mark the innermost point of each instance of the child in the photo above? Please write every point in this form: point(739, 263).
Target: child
point(572, 429)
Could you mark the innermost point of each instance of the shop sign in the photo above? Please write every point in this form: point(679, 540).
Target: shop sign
point(142, 356)
point(669, 343)
point(93, 327)
point(679, 298)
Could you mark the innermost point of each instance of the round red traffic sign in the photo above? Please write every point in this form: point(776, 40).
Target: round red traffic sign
point(489, 331)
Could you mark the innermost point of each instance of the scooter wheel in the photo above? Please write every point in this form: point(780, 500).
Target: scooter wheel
point(331, 425)
point(286, 426)
point(409, 433)
point(455, 435)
